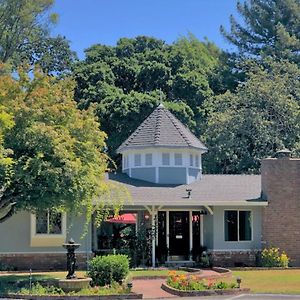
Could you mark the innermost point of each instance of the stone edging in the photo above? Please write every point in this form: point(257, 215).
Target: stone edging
point(179, 293)
point(73, 297)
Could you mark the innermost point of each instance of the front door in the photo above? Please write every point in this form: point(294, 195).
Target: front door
point(179, 234)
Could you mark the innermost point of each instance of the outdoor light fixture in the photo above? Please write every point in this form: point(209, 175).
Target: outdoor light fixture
point(189, 191)
point(239, 281)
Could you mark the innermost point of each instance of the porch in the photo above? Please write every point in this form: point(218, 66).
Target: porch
point(165, 235)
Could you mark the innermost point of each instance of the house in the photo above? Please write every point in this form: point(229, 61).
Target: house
point(232, 216)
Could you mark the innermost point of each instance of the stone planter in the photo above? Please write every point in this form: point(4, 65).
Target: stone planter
point(180, 293)
point(74, 285)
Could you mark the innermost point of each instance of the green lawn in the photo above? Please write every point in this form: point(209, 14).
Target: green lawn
point(271, 281)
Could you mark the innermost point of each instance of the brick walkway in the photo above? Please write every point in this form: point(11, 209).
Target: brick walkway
point(150, 288)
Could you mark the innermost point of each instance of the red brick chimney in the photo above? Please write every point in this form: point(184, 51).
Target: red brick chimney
point(280, 178)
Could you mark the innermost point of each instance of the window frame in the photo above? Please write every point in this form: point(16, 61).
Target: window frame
point(179, 156)
point(135, 159)
point(238, 226)
point(47, 239)
point(148, 155)
point(169, 159)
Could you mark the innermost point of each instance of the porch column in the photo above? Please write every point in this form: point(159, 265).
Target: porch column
point(201, 231)
point(153, 238)
point(168, 232)
point(191, 233)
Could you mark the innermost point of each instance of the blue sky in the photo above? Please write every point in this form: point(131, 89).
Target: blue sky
point(88, 22)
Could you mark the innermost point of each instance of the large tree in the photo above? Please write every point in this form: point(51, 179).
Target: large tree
point(262, 117)
point(127, 81)
point(51, 153)
point(25, 36)
point(268, 28)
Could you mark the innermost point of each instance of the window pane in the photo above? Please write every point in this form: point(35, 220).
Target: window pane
point(148, 159)
point(55, 223)
point(197, 160)
point(166, 159)
point(230, 225)
point(178, 159)
point(137, 160)
point(245, 230)
point(191, 160)
point(42, 223)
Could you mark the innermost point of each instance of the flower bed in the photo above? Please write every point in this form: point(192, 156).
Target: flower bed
point(186, 285)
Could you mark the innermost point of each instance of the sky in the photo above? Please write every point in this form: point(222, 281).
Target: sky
point(88, 22)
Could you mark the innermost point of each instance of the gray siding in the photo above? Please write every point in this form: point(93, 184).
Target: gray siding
point(208, 231)
point(169, 175)
point(194, 174)
point(219, 242)
point(15, 235)
point(147, 174)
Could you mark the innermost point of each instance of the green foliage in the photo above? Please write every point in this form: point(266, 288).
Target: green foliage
point(256, 121)
point(271, 257)
point(55, 151)
point(104, 270)
point(25, 38)
point(269, 28)
point(128, 81)
point(38, 289)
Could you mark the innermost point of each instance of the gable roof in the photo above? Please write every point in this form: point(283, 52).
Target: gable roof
point(161, 129)
point(220, 190)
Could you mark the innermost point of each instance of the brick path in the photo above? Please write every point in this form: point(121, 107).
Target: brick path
point(150, 288)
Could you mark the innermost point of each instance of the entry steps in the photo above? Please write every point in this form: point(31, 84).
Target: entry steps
point(179, 263)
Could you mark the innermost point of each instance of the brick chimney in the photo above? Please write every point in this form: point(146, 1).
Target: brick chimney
point(281, 218)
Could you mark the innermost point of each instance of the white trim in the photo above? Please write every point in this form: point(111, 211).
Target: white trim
point(209, 209)
point(201, 231)
point(168, 231)
point(200, 203)
point(191, 233)
point(238, 226)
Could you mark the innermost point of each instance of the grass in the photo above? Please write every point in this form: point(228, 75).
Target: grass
point(271, 281)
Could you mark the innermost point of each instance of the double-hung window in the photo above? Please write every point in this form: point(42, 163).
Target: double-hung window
point(48, 222)
point(238, 225)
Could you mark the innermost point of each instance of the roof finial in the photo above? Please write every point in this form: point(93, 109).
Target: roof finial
point(160, 96)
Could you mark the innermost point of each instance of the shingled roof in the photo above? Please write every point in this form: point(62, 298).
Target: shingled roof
point(161, 129)
point(219, 190)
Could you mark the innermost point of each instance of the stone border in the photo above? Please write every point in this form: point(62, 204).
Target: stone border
point(73, 297)
point(179, 293)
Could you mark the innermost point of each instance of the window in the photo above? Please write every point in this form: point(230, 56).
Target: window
point(191, 160)
point(178, 159)
point(137, 160)
point(166, 159)
point(48, 223)
point(197, 161)
point(238, 225)
point(148, 159)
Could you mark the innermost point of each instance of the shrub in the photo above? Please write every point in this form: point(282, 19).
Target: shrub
point(273, 258)
point(104, 270)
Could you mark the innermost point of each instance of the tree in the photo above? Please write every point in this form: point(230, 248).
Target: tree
point(262, 117)
point(128, 81)
point(25, 36)
point(270, 28)
point(53, 151)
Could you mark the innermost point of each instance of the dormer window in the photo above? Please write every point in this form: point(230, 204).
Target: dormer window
point(137, 160)
point(191, 160)
point(166, 159)
point(178, 159)
point(148, 159)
